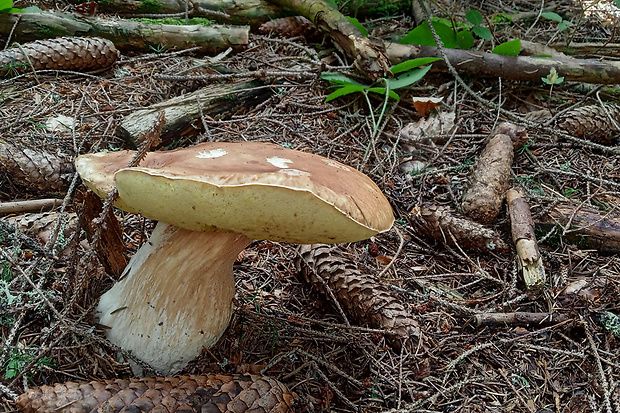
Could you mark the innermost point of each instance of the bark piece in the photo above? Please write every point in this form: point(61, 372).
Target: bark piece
point(209, 393)
point(370, 58)
point(592, 122)
point(589, 228)
point(522, 226)
point(34, 170)
point(110, 248)
point(519, 318)
point(360, 295)
point(441, 224)
point(489, 180)
point(126, 35)
point(183, 112)
point(65, 53)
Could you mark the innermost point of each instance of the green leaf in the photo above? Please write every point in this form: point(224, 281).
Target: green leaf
point(332, 3)
point(545, 80)
point(511, 48)
point(423, 36)
point(482, 32)
point(474, 17)
point(33, 9)
point(552, 16)
point(381, 91)
point(413, 63)
point(465, 40)
point(503, 18)
point(358, 25)
point(338, 78)
point(6, 4)
point(345, 90)
point(408, 78)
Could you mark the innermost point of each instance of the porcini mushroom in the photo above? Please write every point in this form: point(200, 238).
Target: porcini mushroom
point(211, 201)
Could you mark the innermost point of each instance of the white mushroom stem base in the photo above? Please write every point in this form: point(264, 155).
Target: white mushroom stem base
point(175, 296)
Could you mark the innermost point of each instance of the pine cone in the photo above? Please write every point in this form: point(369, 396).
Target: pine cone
point(360, 295)
point(440, 223)
point(64, 53)
point(34, 170)
point(592, 123)
point(290, 27)
point(211, 393)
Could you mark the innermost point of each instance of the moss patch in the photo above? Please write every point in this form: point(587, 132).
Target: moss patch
point(178, 22)
point(149, 6)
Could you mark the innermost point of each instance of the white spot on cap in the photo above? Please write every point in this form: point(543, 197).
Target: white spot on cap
point(279, 162)
point(213, 153)
point(294, 172)
point(336, 164)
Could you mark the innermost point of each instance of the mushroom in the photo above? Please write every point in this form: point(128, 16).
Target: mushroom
point(211, 200)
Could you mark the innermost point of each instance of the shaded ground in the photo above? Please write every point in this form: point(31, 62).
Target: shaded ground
point(280, 324)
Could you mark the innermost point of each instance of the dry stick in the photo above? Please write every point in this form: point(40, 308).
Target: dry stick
point(522, 225)
point(334, 388)
point(601, 372)
point(514, 389)
point(518, 318)
point(29, 205)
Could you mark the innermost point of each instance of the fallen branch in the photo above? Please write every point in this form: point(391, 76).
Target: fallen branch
point(519, 318)
point(585, 227)
point(369, 57)
point(126, 35)
point(518, 68)
point(183, 113)
point(522, 226)
point(441, 224)
point(32, 205)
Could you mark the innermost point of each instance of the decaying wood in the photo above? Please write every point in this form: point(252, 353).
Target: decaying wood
point(215, 393)
point(519, 318)
point(126, 34)
point(64, 53)
point(183, 112)
point(489, 179)
point(326, 268)
point(34, 170)
point(519, 68)
point(585, 227)
point(110, 247)
point(524, 238)
point(368, 57)
point(31, 205)
point(441, 224)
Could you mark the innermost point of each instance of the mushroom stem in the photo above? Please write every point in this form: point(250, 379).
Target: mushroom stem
point(174, 297)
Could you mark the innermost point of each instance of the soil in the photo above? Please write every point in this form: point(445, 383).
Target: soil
point(281, 326)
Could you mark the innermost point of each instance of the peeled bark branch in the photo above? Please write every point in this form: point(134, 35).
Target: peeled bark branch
point(518, 68)
point(530, 260)
point(126, 35)
point(360, 295)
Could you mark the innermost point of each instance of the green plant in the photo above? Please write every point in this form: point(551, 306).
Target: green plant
point(562, 24)
point(6, 6)
point(20, 358)
point(410, 72)
point(160, 48)
point(552, 79)
point(475, 18)
point(509, 48)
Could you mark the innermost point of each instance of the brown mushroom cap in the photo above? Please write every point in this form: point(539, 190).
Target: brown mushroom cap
point(258, 189)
